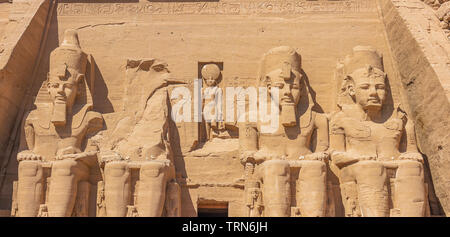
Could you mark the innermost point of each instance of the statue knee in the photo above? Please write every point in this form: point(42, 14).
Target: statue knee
point(153, 169)
point(370, 168)
point(69, 167)
point(276, 168)
point(30, 168)
point(313, 168)
point(409, 168)
point(116, 169)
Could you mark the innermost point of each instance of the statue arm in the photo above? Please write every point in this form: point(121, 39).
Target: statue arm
point(339, 156)
point(410, 135)
point(27, 142)
point(337, 136)
point(27, 135)
point(412, 153)
point(321, 123)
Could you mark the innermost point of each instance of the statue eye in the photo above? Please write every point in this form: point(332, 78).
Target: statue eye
point(54, 85)
point(364, 86)
point(380, 86)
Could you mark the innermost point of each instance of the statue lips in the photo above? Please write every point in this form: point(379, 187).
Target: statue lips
point(374, 102)
point(60, 99)
point(286, 100)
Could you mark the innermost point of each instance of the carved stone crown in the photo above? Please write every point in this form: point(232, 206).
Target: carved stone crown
point(361, 57)
point(69, 53)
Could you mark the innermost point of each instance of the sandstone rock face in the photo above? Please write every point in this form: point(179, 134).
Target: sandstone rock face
point(257, 108)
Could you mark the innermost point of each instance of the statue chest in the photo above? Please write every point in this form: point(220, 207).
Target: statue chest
point(49, 140)
point(369, 138)
point(291, 141)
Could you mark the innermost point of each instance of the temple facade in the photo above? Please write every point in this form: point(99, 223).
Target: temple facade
point(240, 108)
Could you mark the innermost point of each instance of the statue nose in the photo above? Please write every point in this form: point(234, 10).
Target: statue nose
point(372, 91)
point(61, 89)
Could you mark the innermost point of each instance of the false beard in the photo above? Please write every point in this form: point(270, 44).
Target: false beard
point(59, 114)
point(288, 118)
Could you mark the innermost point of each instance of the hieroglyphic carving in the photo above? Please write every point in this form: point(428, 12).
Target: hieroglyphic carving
point(215, 8)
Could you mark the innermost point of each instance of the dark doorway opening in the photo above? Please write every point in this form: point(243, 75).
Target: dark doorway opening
point(212, 209)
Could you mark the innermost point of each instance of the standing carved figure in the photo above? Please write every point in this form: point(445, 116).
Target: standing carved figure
point(140, 142)
point(274, 155)
point(364, 144)
point(212, 98)
point(56, 135)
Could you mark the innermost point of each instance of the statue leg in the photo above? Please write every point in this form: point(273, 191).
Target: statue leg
point(410, 189)
point(312, 188)
point(277, 191)
point(117, 188)
point(173, 200)
point(63, 186)
point(30, 185)
point(372, 188)
point(152, 188)
point(349, 192)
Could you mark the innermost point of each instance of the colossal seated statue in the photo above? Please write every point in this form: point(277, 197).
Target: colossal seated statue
point(139, 144)
point(365, 143)
point(56, 136)
point(273, 156)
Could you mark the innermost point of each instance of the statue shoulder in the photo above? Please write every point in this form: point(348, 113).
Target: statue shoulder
point(93, 117)
point(398, 120)
point(31, 116)
point(337, 122)
point(338, 117)
point(319, 118)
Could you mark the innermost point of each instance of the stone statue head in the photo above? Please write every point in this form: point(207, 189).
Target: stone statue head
point(211, 74)
point(66, 76)
point(365, 80)
point(254, 190)
point(281, 68)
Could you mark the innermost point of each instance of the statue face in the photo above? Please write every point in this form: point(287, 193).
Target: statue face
point(369, 89)
point(254, 194)
point(63, 89)
point(289, 89)
point(211, 81)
